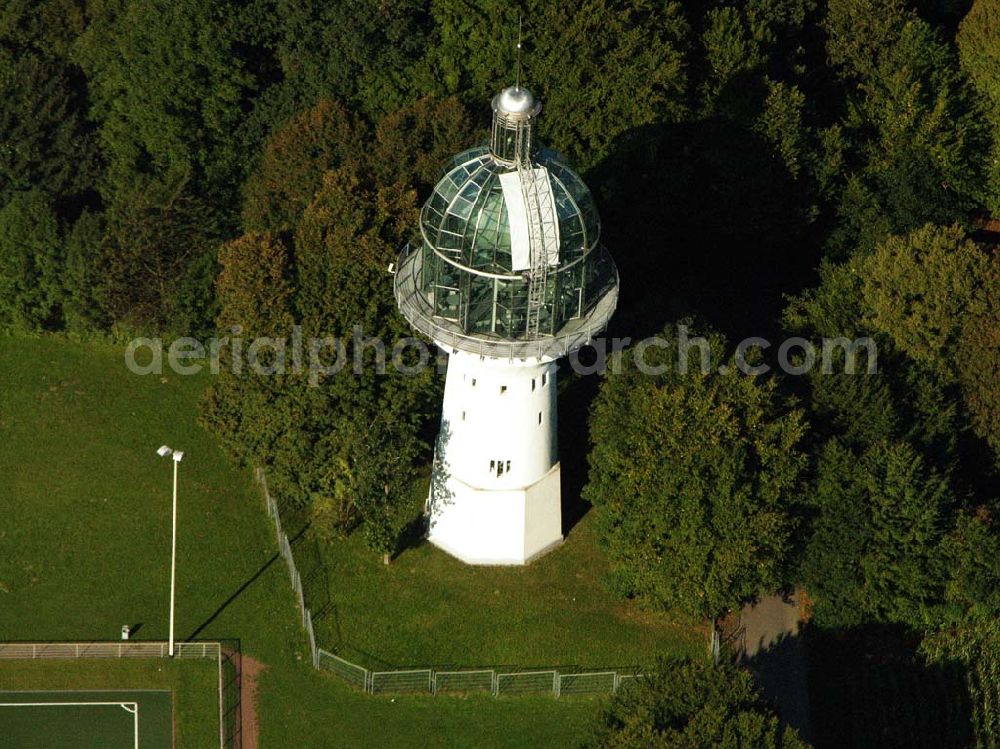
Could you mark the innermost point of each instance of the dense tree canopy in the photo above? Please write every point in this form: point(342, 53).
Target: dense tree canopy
point(688, 705)
point(978, 41)
point(977, 359)
point(694, 476)
point(913, 134)
point(875, 554)
point(919, 290)
point(169, 89)
point(30, 248)
point(344, 441)
point(602, 67)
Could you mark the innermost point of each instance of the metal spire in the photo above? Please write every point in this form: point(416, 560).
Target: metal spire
point(517, 75)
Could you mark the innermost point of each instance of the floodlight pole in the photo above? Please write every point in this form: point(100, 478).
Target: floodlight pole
point(176, 455)
point(173, 559)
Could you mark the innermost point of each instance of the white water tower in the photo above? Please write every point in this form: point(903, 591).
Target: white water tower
point(508, 277)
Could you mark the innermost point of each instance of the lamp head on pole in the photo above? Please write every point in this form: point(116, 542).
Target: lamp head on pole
point(164, 451)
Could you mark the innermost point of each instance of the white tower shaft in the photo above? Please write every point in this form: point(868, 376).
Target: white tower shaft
point(495, 496)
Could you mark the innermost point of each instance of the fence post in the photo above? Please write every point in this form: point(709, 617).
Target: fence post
point(555, 683)
point(222, 718)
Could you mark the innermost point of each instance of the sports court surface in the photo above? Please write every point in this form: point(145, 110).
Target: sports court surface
point(135, 719)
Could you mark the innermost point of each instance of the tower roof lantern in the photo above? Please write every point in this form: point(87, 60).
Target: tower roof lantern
point(515, 103)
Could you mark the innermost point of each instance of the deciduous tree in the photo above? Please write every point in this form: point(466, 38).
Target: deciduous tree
point(602, 68)
point(691, 704)
point(920, 288)
point(295, 158)
point(875, 553)
point(31, 259)
point(693, 476)
point(978, 40)
point(978, 360)
point(913, 132)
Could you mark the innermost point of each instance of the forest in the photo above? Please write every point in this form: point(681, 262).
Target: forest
point(768, 168)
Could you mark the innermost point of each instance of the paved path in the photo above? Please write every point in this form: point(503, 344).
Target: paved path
point(774, 651)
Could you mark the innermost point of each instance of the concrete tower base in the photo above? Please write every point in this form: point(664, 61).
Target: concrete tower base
point(495, 495)
point(511, 526)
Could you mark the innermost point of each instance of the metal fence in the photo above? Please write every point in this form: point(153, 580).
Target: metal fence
point(482, 680)
point(285, 547)
point(429, 680)
point(225, 654)
point(230, 695)
point(598, 682)
point(353, 674)
point(415, 680)
point(123, 649)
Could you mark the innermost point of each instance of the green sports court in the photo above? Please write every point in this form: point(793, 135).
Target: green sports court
point(135, 719)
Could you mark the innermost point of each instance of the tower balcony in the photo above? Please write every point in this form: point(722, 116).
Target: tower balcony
point(417, 302)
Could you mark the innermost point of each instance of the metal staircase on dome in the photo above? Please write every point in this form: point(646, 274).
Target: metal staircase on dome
point(543, 236)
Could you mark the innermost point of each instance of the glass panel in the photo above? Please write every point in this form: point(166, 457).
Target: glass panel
point(570, 293)
point(428, 270)
point(480, 317)
point(461, 207)
point(504, 307)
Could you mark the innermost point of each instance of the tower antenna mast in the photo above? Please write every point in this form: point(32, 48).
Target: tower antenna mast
point(517, 75)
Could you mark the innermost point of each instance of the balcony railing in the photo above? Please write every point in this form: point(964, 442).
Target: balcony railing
point(419, 312)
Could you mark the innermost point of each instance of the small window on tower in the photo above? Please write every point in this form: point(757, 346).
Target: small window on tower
point(493, 465)
point(499, 468)
point(539, 417)
point(473, 382)
point(503, 389)
point(508, 466)
point(532, 384)
point(545, 378)
point(463, 415)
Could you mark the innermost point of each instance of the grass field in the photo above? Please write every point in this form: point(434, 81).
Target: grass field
point(86, 720)
point(85, 548)
point(427, 608)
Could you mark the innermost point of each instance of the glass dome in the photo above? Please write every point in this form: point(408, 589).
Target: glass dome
point(509, 252)
point(466, 217)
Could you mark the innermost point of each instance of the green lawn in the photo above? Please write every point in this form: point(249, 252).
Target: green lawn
point(427, 608)
point(85, 548)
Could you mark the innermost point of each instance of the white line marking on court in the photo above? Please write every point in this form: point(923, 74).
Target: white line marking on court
point(67, 704)
point(133, 710)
